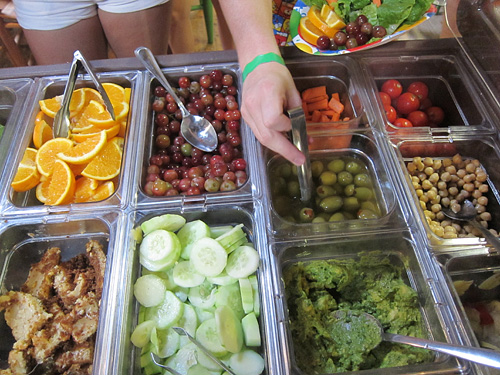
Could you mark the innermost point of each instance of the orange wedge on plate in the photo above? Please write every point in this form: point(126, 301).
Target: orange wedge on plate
point(308, 31)
point(314, 15)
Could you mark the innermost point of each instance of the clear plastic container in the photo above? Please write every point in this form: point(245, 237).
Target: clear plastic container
point(15, 203)
point(25, 241)
point(401, 250)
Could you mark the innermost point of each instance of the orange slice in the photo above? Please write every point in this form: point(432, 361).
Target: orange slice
point(97, 114)
point(314, 15)
point(47, 154)
point(128, 92)
point(42, 190)
point(52, 105)
point(42, 133)
point(121, 111)
point(106, 164)
point(308, 31)
point(85, 188)
point(27, 176)
point(83, 152)
point(42, 116)
point(116, 93)
point(103, 192)
point(62, 184)
point(93, 131)
point(92, 94)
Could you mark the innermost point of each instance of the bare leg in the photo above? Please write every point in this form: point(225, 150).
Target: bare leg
point(148, 28)
point(224, 33)
point(181, 37)
point(57, 46)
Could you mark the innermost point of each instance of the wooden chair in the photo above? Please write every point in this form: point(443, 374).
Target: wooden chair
point(10, 36)
point(208, 12)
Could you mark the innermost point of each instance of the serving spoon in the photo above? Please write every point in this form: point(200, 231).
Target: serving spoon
point(197, 130)
point(468, 213)
point(348, 321)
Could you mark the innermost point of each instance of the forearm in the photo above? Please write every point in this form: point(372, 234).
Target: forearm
point(250, 22)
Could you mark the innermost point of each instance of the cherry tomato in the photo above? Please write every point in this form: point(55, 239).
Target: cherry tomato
point(402, 122)
point(420, 89)
point(407, 102)
point(392, 87)
point(418, 118)
point(386, 99)
point(484, 315)
point(391, 114)
point(425, 103)
point(435, 114)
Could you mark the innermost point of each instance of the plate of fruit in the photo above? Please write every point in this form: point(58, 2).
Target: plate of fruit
point(333, 27)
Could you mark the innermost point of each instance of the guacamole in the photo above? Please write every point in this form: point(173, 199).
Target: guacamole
point(317, 290)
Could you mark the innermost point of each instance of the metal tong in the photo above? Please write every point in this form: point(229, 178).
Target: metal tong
point(299, 138)
point(61, 120)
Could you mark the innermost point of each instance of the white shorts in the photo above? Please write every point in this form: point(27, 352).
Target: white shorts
point(54, 15)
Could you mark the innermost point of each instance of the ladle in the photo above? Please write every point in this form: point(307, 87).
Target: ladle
point(62, 121)
point(197, 130)
point(183, 332)
point(352, 320)
point(468, 213)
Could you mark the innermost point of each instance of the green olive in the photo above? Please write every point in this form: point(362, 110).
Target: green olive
point(285, 170)
point(328, 178)
point(324, 215)
point(369, 205)
point(345, 178)
point(293, 189)
point(367, 214)
point(289, 218)
point(331, 204)
point(363, 193)
point(354, 167)
point(317, 167)
point(349, 190)
point(362, 179)
point(337, 216)
point(324, 191)
point(306, 215)
point(319, 219)
point(351, 204)
point(348, 215)
point(336, 165)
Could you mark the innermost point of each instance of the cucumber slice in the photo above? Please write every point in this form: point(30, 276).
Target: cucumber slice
point(188, 320)
point(205, 314)
point(219, 230)
point(199, 370)
point(242, 262)
point(142, 333)
point(184, 359)
point(208, 257)
point(246, 295)
point(251, 330)
point(170, 222)
point(159, 250)
point(247, 362)
point(235, 235)
point(256, 297)
point(167, 313)
point(207, 335)
point(206, 361)
point(186, 276)
point(229, 329)
point(165, 342)
point(181, 293)
point(222, 279)
point(190, 233)
point(229, 295)
point(149, 290)
point(203, 295)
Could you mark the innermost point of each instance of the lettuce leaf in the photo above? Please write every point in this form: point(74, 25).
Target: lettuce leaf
point(393, 13)
point(418, 10)
point(318, 3)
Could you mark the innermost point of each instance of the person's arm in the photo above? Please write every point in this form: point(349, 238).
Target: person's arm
point(269, 89)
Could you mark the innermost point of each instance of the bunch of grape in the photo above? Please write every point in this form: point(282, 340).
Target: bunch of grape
point(175, 167)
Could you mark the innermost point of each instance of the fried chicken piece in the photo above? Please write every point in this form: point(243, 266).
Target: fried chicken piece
point(97, 260)
point(41, 275)
point(86, 313)
point(47, 340)
point(71, 284)
point(78, 355)
point(18, 363)
point(25, 315)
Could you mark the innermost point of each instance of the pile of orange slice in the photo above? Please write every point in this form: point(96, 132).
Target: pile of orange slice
point(83, 167)
point(320, 22)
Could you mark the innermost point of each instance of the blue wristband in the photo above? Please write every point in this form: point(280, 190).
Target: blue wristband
point(261, 59)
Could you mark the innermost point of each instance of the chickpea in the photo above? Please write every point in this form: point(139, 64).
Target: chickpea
point(411, 167)
point(483, 201)
point(436, 208)
point(428, 171)
point(443, 193)
point(431, 194)
point(441, 185)
point(422, 176)
point(431, 215)
point(445, 201)
point(476, 194)
point(453, 191)
point(485, 216)
point(434, 178)
point(420, 192)
point(461, 173)
point(480, 208)
point(440, 216)
point(450, 228)
point(447, 162)
point(470, 167)
point(483, 188)
point(426, 184)
point(449, 235)
point(455, 207)
point(424, 198)
point(457, 159)
point(476, 163)
point(451, 169)
point(437, 164)
point(469, 187)
point(428, 161)
point(468, 178)
point(446, 176)
point(481, 176)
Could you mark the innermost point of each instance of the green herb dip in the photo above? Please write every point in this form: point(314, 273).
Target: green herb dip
point(371, 284)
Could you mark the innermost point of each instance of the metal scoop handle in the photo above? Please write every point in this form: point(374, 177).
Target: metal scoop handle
point(61, 119)
point(299, 138)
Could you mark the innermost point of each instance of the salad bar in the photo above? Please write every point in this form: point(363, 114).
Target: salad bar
point(126, 250)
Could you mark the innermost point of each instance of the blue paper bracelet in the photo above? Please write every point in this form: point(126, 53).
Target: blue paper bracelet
point(261, 59)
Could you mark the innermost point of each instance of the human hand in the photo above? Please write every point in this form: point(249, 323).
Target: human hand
point(267, 92)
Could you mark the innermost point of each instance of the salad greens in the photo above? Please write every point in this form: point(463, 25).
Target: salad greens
point(390, 14)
